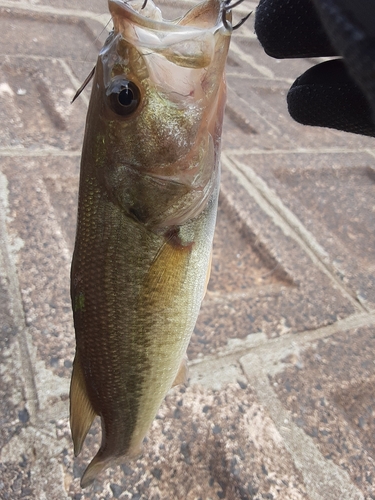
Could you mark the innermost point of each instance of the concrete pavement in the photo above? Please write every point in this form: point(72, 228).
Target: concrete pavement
point(280, 403)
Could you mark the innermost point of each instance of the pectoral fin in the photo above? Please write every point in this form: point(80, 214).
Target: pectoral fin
point(182, 374)
point(166, 274)
point(82, 413)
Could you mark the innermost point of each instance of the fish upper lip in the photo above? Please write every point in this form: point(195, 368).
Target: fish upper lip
point(124, 9)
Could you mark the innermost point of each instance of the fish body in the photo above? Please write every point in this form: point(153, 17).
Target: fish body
point(147, 207)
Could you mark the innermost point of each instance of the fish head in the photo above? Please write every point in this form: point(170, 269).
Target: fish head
point(157, 108)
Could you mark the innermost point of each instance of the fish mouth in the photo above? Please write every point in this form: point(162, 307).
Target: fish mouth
point(189, 41)
point(206, 16)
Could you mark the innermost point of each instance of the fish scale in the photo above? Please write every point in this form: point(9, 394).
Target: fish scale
point(145, 219)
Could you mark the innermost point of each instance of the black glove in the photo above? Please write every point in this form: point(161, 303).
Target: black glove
point(339, 93)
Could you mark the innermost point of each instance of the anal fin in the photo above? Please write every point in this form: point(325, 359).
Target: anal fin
point(208, 274)
point(182, 374)
point(82, 413)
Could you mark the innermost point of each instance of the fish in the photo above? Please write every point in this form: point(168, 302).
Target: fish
point(148, 196)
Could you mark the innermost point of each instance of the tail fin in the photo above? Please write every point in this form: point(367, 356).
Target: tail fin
point(97, 465)
point(101, 461)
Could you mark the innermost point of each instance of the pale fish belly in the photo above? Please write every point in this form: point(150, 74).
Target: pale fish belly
point(174, 322)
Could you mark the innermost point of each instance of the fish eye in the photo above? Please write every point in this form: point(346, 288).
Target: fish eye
point(124, 97)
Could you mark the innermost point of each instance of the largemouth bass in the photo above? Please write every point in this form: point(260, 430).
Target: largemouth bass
point(147, 207)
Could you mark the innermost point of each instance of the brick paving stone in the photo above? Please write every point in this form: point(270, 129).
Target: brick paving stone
point(329, 390)
point(45, 292)
point(280, 402)
point(193, 452)
point(332, 195)
point(28, 126)
point(30, 34)
point(295, 297)
point(13, 411)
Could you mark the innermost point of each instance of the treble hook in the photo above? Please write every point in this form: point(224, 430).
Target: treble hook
point(227, 8)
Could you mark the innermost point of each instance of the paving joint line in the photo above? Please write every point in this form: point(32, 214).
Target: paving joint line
point(16, 152)
point(259, 343)
point(225, 297)
point(31, 57)
point(290, 224)
point(244, 32)
point(249, 59)
point(55, 11)
point(53, 222)
point(74, 81)
point(333, 150)
point(84, 14)
point(17, 307)
point(235, 74)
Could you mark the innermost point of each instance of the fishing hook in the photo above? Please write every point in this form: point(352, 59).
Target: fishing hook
point(144, 4)
point(81, 88)
point(226, 9)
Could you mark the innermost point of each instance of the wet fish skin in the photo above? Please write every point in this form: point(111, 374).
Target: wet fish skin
point(147, 208)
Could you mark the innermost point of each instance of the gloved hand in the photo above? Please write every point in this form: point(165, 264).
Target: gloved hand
point(339, 93)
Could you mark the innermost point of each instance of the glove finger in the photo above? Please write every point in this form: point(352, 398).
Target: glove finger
point(326, 96)
point(350, 25)
point(291, 28)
